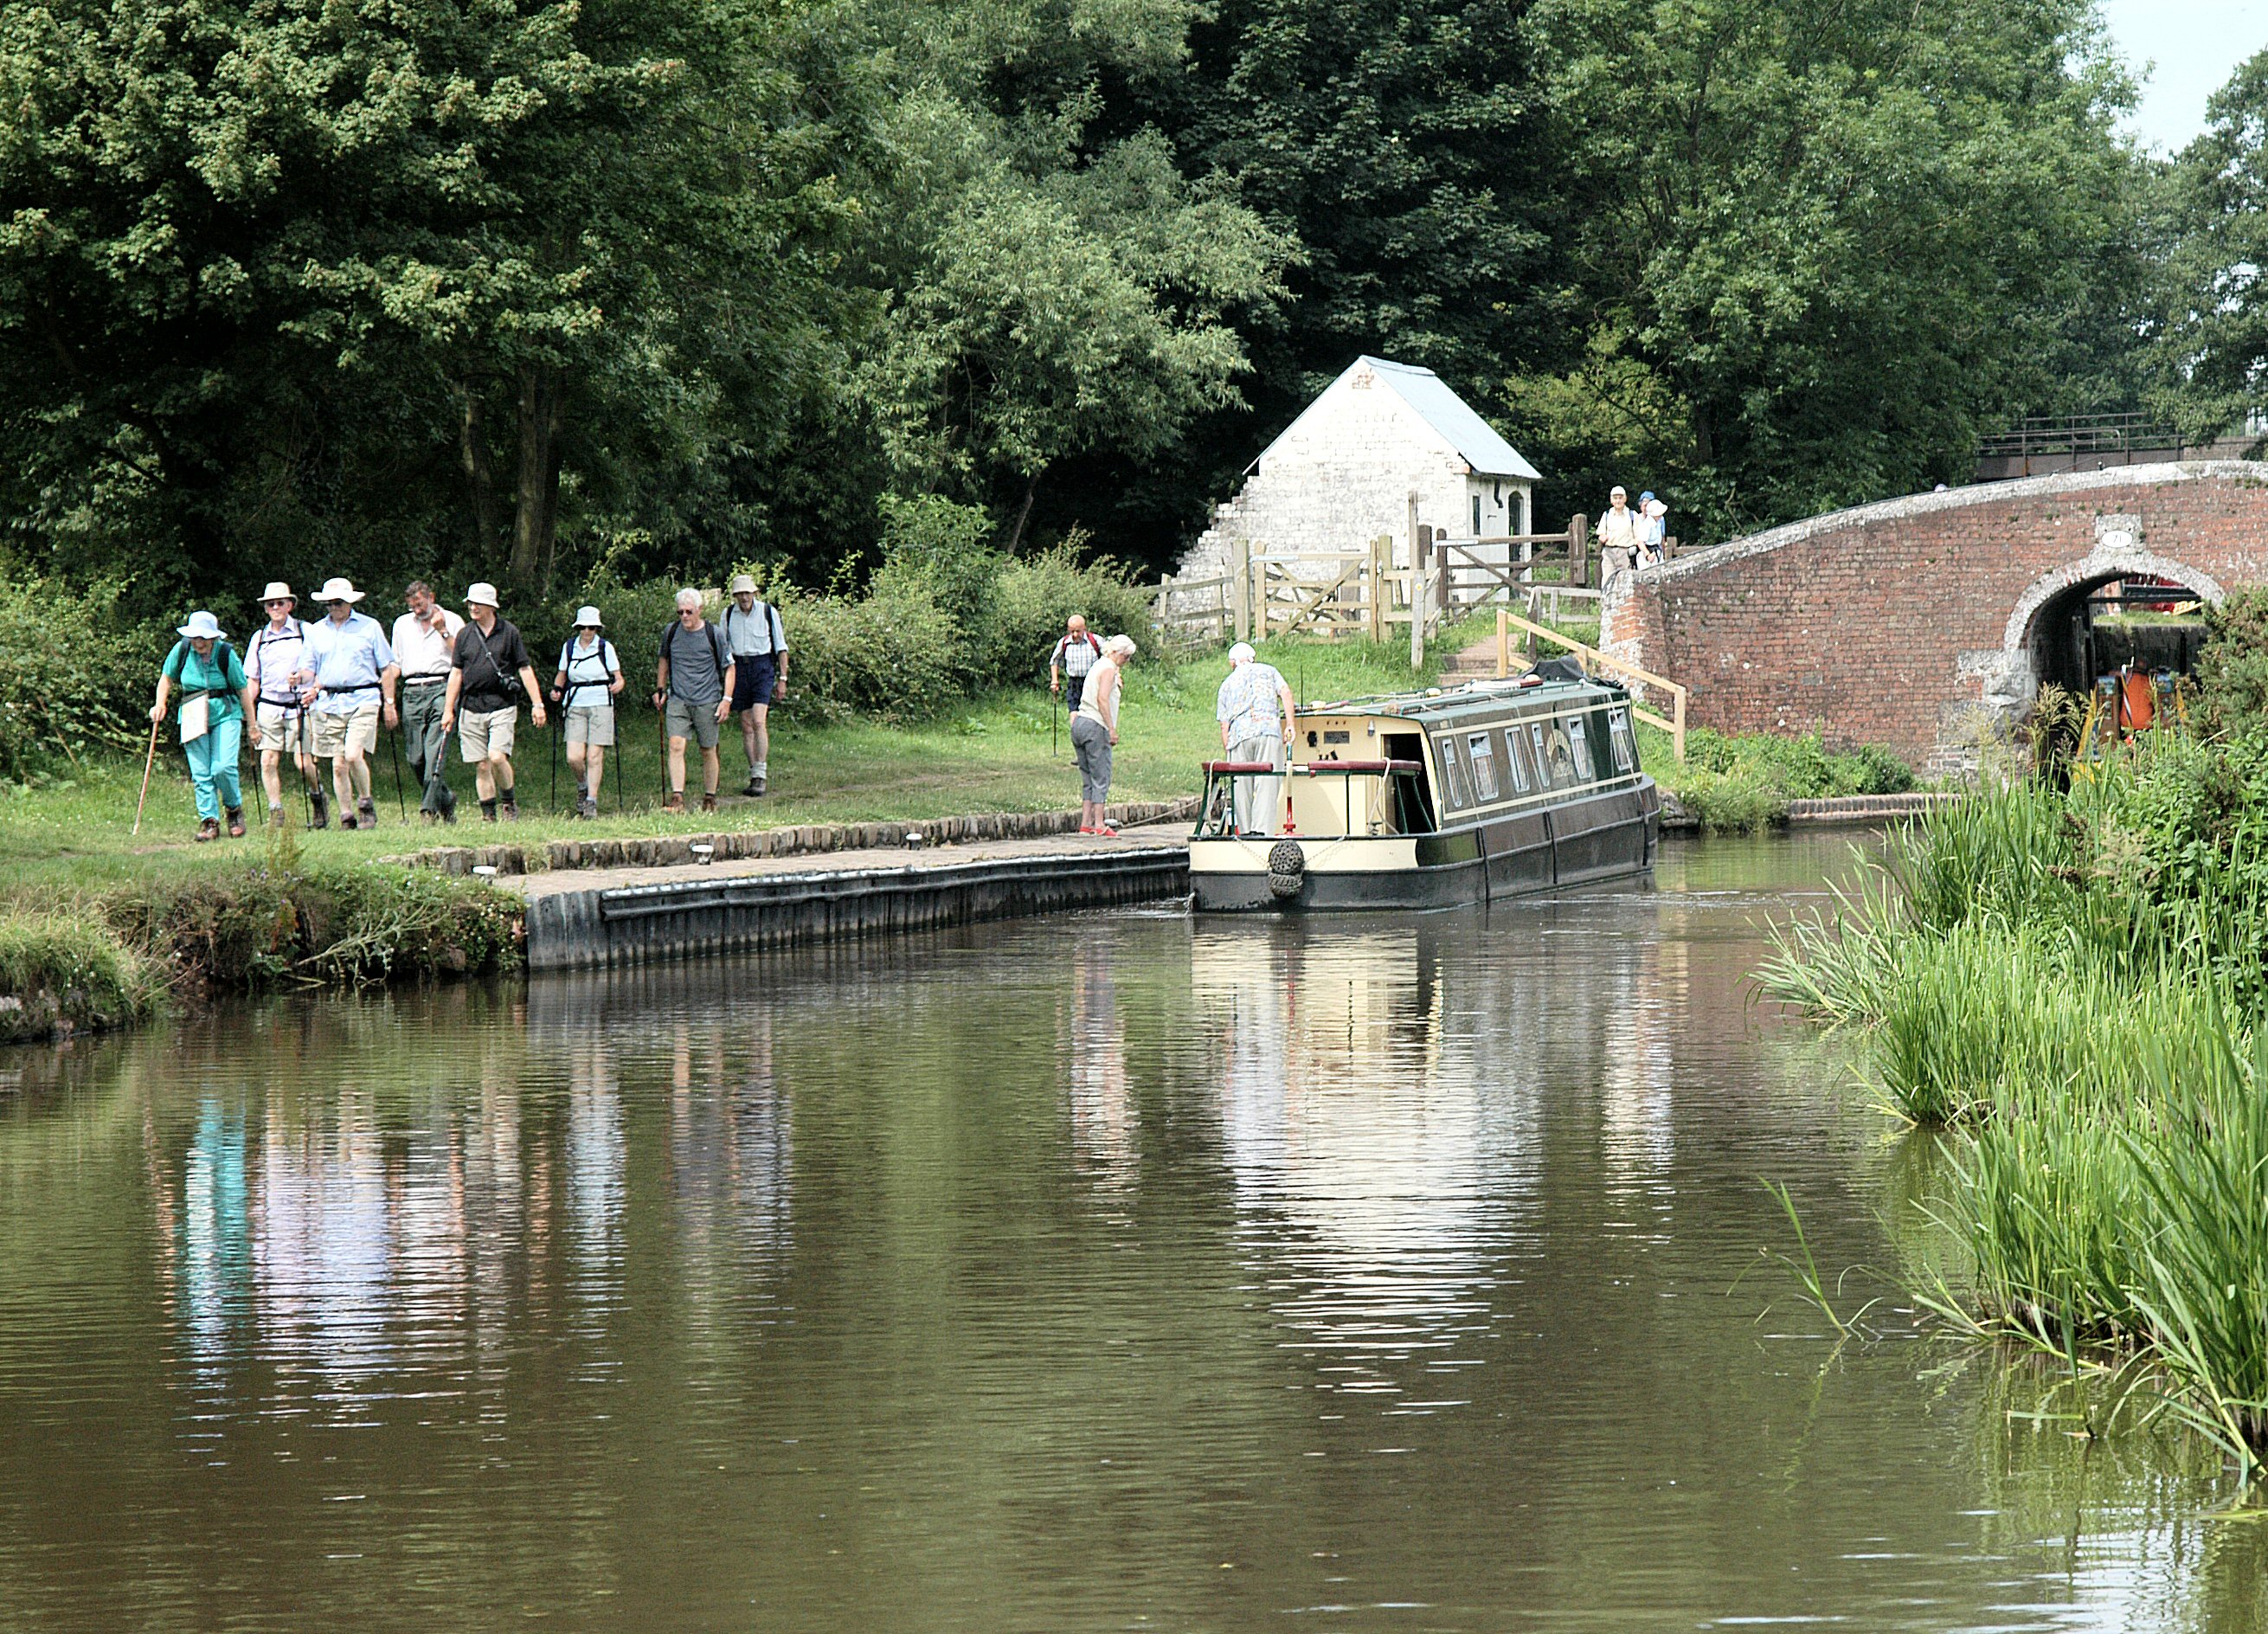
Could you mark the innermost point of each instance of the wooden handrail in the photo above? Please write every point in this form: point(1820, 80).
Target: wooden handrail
point(1506, 620)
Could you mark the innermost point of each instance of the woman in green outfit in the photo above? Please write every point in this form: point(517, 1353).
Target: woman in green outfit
point(216, 700)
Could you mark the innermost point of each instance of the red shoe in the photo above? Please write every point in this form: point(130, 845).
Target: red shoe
point(1084, 830)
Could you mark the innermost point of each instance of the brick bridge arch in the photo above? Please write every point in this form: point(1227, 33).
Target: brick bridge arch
point(1919, 623)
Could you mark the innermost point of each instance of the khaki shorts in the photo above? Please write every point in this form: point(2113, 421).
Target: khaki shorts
point(279, 729)
point(697, 721)
point(592, 725)
point(483, 732)
point(341, 734)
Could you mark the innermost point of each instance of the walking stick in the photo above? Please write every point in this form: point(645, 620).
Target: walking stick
point(558, 725)
point(401, 805)
point(1055, 708)
point(662, 737)
point(620, 739)
point(148, 760)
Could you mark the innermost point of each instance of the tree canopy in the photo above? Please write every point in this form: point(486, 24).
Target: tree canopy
point(295, 287)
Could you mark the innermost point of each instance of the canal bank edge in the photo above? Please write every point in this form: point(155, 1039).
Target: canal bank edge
point(804, 839)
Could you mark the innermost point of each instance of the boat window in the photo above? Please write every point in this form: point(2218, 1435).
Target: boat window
point(1515, 763)
point(1484, 767)
point(1551, 746)
point(1454, 793)
point(1618, 734)
point(1578, 745)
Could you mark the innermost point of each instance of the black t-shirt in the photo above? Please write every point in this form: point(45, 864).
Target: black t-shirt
point(486, 661)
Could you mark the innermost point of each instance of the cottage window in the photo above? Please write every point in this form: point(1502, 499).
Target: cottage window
point(1476, 516)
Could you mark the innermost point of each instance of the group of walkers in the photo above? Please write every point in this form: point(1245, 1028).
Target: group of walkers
point(1632, 536)
point(322, 690)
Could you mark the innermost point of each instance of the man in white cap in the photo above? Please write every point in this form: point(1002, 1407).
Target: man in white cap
point(425, 645)
point(589, 678)
point(758, 644)
point(492, 674)
point(1617, 532)
point(693, 687)
point(280, 722)
point(1255, 709)
point(348, 677)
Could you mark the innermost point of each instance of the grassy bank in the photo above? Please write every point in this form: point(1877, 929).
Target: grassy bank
point(2070, 987)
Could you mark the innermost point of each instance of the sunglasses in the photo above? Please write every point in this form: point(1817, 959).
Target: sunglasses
point(284, 602)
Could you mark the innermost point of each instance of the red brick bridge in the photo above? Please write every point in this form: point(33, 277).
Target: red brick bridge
point(1923, 624)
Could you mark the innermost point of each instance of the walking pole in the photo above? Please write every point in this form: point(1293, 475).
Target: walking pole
point(1055, 708)
point(662, 737)
point(558, 725)
point(148, 760)
point(401, 805)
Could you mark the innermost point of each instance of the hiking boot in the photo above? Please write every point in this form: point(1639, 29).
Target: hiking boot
point(674, 803)
point(429, 819)
point(449, 814)
point(511, 811)
point(321, 805)
point(756, 786)
point(587, 808)
point(368, 812)
point(488, 811)
point(236, 822)
point(275, 816)
point(347, 822)
point(708, 802)
point(208, 830)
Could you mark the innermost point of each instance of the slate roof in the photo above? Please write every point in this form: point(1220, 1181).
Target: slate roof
point(1475, 443)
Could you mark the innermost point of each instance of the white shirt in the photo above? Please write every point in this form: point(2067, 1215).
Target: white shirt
point(754, 634)
point(420, 652)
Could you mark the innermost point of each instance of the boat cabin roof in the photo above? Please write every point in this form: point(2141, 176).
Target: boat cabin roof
point(1478, 700)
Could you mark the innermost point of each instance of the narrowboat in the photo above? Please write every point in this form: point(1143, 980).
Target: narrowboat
point(1497, 788)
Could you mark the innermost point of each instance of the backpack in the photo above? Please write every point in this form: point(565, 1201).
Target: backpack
point(716, 633)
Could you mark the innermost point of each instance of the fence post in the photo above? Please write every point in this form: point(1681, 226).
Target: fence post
point(1239, 588)
point(1165, 591)
point(1677, 723)
point(1503, 643)
point(1579, 550)
point(1381, 551)
point(1669, 547)
point(1421, 595)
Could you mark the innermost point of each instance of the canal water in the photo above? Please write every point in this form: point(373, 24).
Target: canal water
point(1098, 1272)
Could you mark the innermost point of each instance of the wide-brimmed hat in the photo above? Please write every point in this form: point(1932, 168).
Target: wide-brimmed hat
point(587, 618)
point(202, 626)
point(338, 590)
point(741, 582)
point(278, 591)
point(482, 594)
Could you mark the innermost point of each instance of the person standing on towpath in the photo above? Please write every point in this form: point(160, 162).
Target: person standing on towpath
point(589, 678)
point(758, 642)
point(215, 698)
point(1094, 732)
point(490, 674)
point(349, 678)
point(425, 645)
point(693, 687)
point(280, 722)
point(1073, 658)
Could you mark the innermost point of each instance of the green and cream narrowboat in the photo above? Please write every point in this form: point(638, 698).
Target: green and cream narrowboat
point(1497, 788)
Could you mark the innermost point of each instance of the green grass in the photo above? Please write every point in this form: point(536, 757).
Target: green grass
point(992, 754)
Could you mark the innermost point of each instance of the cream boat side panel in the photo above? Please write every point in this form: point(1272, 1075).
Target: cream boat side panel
point(1382, 854)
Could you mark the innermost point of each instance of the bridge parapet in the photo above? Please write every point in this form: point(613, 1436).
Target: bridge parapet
point(1926, 624)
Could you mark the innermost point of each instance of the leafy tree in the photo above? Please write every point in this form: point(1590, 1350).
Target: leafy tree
point(1842, 236)
point(2213, 352)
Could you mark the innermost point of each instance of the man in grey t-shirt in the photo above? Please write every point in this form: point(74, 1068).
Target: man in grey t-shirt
point(693, 686)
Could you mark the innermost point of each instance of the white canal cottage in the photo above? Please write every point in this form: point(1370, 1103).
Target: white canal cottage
point(1342, 474)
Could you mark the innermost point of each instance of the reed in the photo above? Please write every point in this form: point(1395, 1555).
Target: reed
point(2073, 985)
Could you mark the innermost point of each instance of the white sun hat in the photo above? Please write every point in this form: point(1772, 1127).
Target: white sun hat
point(482, 594)
point(587, 618)
point(278, 591)
point(741, 582)
point(202, 626)
point(338, 590)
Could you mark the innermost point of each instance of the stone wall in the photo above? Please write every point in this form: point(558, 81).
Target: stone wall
point(1910, 623)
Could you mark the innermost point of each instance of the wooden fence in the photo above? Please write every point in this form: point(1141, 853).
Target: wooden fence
point(1594, 661)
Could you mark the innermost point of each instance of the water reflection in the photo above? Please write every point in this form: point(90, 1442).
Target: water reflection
point(1101, 1272)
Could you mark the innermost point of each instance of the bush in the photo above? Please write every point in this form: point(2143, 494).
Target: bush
point(2231, 669)
point(74, 674)
point(1037, 594)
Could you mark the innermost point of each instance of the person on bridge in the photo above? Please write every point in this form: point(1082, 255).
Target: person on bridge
point(1254, 709)
point(1652, 529)
point(1617, 533)
point(1094, 731)
point(1073, 656)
